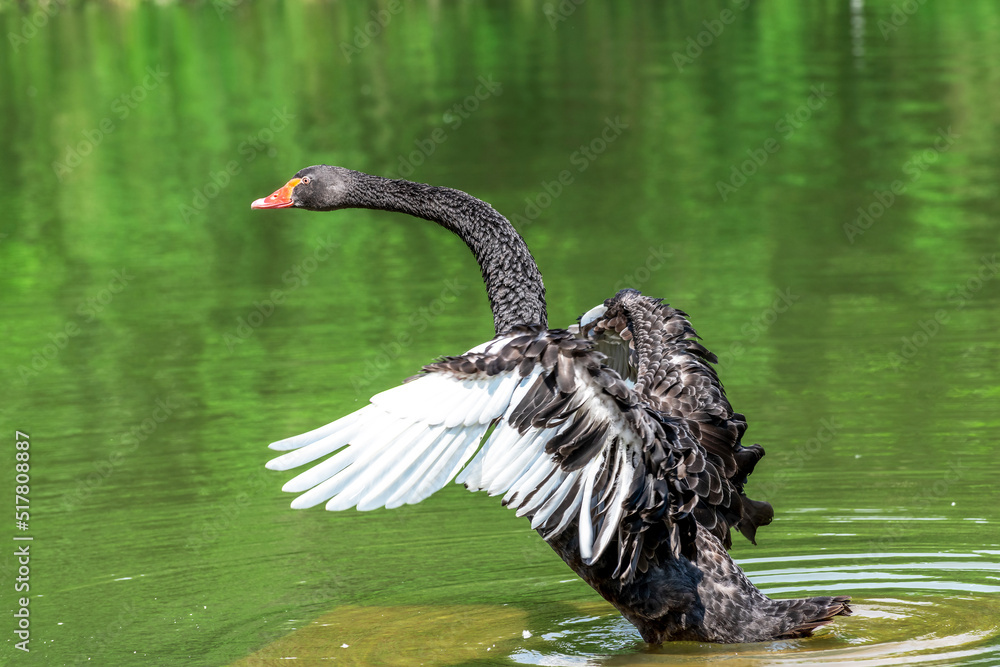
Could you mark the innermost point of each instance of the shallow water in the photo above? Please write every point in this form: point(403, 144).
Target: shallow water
point(158, 334)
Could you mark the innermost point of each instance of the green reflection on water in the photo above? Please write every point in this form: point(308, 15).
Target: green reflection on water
point(158, 334)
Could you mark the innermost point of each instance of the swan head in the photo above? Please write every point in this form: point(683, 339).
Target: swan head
point(318, 188)
point(624, 296)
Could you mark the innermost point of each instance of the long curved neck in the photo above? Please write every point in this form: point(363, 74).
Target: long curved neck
point(513, 282)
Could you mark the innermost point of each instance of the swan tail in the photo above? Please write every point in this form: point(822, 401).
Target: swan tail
point(805, 615)
point(736, 611)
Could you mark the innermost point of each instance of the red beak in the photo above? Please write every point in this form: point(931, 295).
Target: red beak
point(281, 198)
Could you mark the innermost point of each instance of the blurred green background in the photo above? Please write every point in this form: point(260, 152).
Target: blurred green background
point(816, 184)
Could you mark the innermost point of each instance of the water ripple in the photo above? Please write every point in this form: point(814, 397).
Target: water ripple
point(909, 609)
point(938, 612)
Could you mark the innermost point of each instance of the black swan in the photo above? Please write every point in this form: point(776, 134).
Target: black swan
point(614, 437)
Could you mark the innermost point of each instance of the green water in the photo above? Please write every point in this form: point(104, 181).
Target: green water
point(157, 334)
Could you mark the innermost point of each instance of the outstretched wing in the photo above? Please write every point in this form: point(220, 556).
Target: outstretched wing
point(656, 346)
point(533, 415)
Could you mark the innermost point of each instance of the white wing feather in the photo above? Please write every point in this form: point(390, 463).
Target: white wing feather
point(412, 439)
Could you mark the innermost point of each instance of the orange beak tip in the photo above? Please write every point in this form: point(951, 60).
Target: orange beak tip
point(280, 198)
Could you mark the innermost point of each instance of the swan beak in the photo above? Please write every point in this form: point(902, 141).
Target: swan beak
point(281, 198)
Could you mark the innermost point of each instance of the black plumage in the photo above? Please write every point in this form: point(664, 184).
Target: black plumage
point(642, 467)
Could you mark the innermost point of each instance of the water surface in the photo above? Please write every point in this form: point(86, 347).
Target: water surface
point(158, 334)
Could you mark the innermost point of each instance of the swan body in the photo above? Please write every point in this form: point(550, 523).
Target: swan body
point(614, 437)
